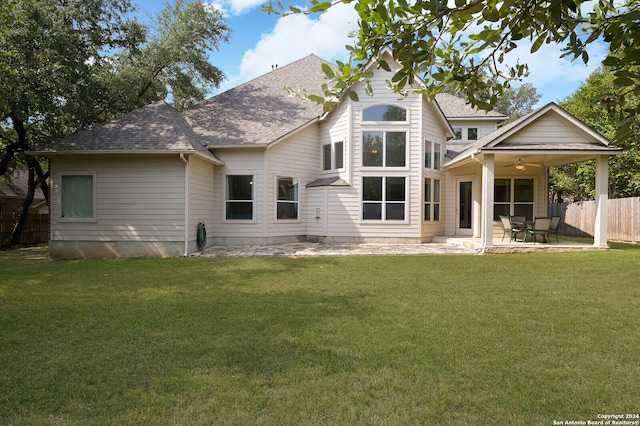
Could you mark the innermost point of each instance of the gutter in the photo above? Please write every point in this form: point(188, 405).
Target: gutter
point(186, 204)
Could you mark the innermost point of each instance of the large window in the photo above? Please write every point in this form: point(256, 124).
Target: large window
point(384, 113)
point(239, 197)
point(383, 198)
point(431, 199)
point(333, 156)
point(513, 197)
point(288, 198)
point(384, 149)
point(77, 197)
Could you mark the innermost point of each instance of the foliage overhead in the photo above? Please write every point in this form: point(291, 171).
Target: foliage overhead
point(448, 43)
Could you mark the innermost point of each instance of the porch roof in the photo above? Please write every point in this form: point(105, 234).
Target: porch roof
point(552, 150)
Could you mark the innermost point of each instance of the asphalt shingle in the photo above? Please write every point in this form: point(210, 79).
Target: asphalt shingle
point(260, 111)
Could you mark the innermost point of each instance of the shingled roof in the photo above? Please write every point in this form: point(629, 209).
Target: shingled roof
point(455, 107)
point(155, 128)
point(260, 111)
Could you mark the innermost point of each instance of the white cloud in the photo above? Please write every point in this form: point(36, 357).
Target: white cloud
point(297, 36)
point(556, 78)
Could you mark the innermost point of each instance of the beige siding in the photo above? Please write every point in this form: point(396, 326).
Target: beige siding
point(247, 161)
point(336, 128)
point(137, 200)
point(548, 129)
point(296, 157)
point(202, 203)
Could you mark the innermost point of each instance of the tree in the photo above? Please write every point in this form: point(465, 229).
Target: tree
point(67, 65)
point(449, 43)
point(514, 102)
point(576, 181)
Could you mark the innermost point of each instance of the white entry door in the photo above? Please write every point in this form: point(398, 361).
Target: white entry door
point(464, 207)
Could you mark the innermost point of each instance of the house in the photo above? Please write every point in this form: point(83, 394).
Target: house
point(254, 165)
point(14, 191)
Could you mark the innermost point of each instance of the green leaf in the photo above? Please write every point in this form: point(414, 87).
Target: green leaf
point(328, 71)
point(538, 43)
point(320, 7)
point(353, 96)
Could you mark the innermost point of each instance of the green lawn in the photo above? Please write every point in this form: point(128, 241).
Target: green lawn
point(381, 340)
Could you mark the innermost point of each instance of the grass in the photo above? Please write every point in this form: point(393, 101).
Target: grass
point(389, 340)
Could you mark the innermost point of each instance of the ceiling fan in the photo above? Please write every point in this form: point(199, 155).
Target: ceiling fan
point(521, 165)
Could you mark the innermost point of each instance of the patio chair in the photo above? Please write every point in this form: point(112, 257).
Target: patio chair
point(508, 227)
point(553, 228)
point(540, 227)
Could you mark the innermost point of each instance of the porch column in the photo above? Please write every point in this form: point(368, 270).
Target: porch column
point(488, 176)
point(602, 199)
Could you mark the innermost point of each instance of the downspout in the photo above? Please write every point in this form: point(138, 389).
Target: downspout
point(186, 204)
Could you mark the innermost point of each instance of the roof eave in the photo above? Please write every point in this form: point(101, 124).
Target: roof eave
point(48, 154)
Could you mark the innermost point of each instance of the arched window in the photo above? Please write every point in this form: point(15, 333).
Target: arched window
point(384, 113)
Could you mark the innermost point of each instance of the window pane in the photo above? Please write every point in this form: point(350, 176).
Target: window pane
point(239, 210)
point(239, 187)
point(326, 157)
point(76, 197)
point(437, 156)
point(500, 210)
point(427, 154)
point(472, 133)
point(436, 212)
point(395, 189)
point(384, 113)
point(525, 210)
point(339, 148)
point(457, 133)
point(372, 211)
point(396, 142)
point(372, 149)
point(287, 210)
point(372, 188)
point(395, 211)
point(502, 190)
point(523, 190)
point(427, 212)
point(436, 190)
point(287, 189)
point(427, 190)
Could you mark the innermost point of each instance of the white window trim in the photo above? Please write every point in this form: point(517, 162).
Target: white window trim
point(407, 149)
point(59, 217)
point(334, 157)
point(225, 200)
point(407, 192)
point(432, 203)
point(385, 123)
point(432, 154)
point(512, 201)
point(275, 206)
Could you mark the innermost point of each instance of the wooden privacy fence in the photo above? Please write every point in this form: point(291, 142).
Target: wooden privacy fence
point(578, 219)
point(36, 229)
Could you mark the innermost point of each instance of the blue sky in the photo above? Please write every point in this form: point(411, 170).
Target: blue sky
point(260, 40)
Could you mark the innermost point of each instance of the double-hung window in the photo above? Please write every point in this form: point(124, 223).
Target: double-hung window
point(431, 199)
point(288, 198)
point(77, 196)
point(333, 156)
point(513, 197)
point(239, 197)
point(384, 198)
